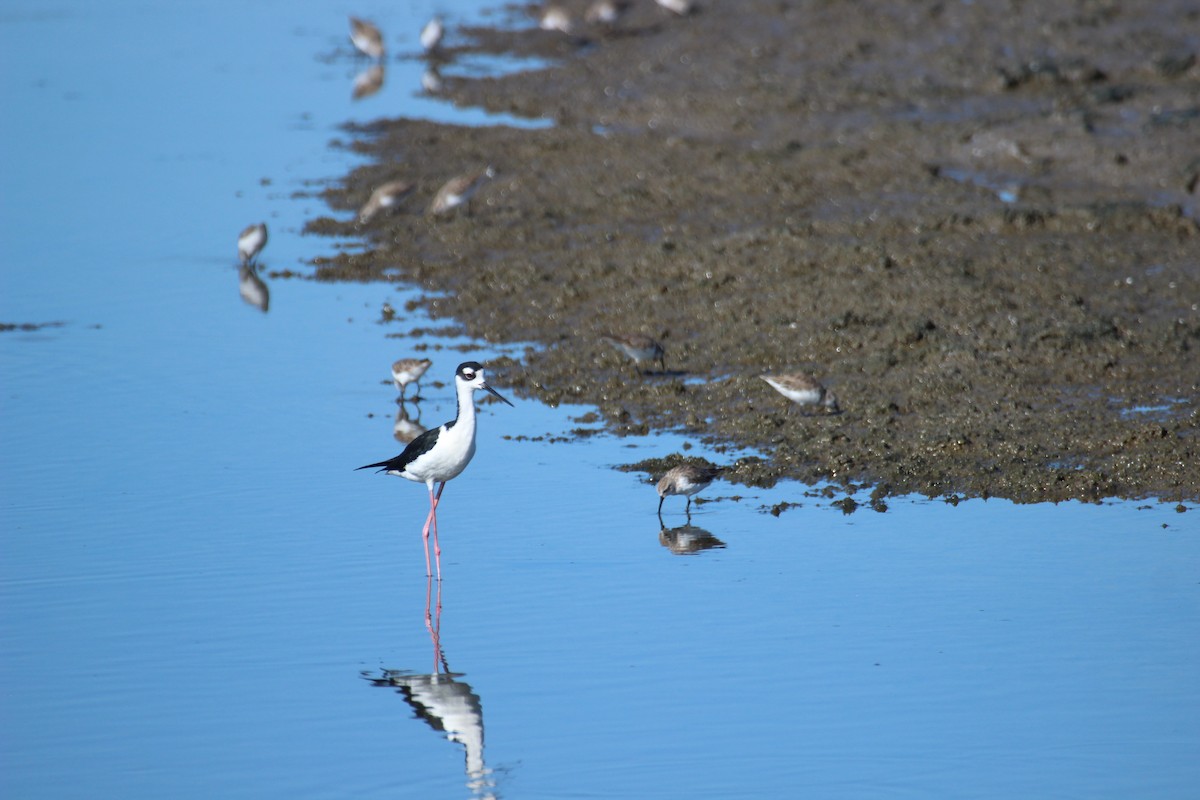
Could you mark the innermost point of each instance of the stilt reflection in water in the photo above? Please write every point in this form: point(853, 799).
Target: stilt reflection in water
point(688, 540)
point(252, 288)
point(444, 701)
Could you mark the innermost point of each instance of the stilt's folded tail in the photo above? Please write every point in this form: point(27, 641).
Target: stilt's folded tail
point(383, 465)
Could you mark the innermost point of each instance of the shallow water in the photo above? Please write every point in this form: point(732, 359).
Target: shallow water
point(199, 597)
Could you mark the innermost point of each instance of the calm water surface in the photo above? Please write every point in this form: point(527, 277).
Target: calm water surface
point(199, 597)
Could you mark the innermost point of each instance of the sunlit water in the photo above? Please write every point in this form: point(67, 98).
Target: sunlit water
point(199, 597)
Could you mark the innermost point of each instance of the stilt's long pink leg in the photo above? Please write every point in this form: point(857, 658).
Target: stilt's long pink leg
point(437, 548)
point(430, 520)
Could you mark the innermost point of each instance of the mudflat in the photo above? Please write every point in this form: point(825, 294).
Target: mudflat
point(975, 222)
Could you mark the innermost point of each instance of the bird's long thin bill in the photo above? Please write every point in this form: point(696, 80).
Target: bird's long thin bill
point(498, 396)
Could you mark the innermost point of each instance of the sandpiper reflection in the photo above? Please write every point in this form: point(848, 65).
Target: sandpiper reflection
point(445, 702)
point(252, 288)
point(688, 540)
point(406, 429)
point(368, 82)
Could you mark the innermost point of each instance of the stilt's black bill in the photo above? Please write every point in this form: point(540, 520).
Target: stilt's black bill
point(492, 391)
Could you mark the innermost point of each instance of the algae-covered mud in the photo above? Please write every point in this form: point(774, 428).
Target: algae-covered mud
point(975, 222)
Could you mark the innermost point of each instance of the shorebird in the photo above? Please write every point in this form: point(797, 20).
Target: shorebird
point(409, 370)
point(556, 18)
point(680, 7)
point(803, 390)
point(431, 34)
point(639, 347)
point(442, 453)
point(458, 191)
point(606, 12)
point(251, 241)
point(385, 198)
point(687, 480)
point(366, 38)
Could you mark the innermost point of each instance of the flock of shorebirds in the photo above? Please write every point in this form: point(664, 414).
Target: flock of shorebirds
point(437, 455)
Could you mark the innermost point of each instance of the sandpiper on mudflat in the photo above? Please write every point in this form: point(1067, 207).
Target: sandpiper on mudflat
point(458, 191)
point(803, 390)
point(386, 197)
point(638, 346)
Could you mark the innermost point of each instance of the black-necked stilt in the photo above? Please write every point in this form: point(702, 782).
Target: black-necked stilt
point(251, 241)
point(803, 390)
point(687, 480)
point(409, 370)
point(442, 453)
point(638, 346)
point(385, 198)
point(431, 34)
point(366, 38)
point(458, 191)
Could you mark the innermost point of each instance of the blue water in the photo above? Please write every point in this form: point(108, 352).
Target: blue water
point(199, 596)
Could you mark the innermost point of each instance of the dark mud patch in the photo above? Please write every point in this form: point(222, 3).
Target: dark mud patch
point(976, 222)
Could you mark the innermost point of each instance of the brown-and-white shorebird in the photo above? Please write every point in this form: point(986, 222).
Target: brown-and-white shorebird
point(386, 197)
point(431, 35)
point(409, 370)
point(458, 191)
point(251, 241)
point(605, 12)
point(366, 38)
point(680, 7)
point(687, 480)
point(556, 18)
point(638, 346)
point(803, 390)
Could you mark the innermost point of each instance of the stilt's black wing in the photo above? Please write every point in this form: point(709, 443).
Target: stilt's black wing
point(417, 447)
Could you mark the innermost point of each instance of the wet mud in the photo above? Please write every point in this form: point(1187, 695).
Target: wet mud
point(976, 222)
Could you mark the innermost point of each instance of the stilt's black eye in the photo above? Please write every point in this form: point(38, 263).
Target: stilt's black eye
point(468, 374)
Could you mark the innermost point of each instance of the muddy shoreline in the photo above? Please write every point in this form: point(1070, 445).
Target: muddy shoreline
point(976, 222)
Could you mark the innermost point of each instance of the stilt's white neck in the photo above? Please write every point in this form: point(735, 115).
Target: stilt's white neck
point(466, 403)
